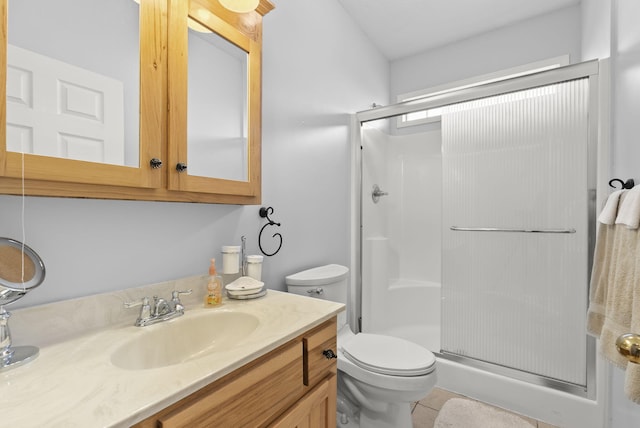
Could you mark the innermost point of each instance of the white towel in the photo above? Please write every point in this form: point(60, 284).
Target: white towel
point(629, 210)
point(610, 210)
point(614, 297)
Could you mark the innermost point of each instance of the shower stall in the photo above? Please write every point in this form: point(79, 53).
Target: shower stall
point(476, 234)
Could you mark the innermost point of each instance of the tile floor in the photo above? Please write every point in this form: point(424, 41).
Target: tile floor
point(425, 411)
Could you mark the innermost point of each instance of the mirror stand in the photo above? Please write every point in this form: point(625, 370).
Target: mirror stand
point(21, 270)
point(12, 357)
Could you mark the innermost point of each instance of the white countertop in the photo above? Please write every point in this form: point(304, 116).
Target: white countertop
point(73, 383)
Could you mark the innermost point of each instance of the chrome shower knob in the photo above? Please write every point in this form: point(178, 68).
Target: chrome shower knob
point(376, 193)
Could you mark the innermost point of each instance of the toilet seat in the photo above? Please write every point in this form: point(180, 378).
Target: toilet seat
point(389, 355)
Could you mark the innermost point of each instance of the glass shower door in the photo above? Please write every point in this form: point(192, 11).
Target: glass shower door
point(515, 230)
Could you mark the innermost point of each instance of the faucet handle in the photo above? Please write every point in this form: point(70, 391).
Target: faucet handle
point(145, 310)
point(175, 299)
point(175, 295)
point(144, 302)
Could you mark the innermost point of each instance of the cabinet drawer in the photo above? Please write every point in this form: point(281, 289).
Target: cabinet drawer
point(253, 396)
point(316, 364)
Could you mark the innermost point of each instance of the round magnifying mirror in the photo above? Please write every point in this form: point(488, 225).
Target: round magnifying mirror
point(21, 270)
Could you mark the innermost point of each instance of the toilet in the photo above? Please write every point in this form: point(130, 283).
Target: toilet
point(378, 376)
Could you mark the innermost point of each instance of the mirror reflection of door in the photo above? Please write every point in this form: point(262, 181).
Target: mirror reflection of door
point(73, 79)
point(217, 132)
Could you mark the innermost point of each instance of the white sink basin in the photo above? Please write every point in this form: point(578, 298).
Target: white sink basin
point(183, 339)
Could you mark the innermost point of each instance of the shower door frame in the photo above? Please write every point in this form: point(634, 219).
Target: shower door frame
point(597, 173)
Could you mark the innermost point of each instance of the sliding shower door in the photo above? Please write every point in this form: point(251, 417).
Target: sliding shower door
point(515, 231)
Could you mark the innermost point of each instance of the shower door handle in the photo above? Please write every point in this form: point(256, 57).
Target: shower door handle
point(499, 229)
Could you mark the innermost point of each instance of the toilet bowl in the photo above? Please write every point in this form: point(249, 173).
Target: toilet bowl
point(378, 376)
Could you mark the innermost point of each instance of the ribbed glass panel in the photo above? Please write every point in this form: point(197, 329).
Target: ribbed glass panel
point(517, 161)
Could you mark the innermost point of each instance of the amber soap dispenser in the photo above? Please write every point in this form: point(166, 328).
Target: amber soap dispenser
point(213, 294)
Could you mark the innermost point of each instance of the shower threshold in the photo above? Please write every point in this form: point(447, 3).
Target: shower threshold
point(521, 375)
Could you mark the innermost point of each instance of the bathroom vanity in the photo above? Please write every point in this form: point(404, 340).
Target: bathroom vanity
point(263, 364)
point(293, 385)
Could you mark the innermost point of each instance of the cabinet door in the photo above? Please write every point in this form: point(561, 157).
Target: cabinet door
point(317, 409)
point(249, 397)
point(215, 113)
point(86, 103)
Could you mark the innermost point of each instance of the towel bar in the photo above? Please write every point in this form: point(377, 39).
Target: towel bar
point(497, 229)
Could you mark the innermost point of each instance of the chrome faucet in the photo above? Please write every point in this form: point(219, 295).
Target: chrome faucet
point(160, 307)
point(161, 310)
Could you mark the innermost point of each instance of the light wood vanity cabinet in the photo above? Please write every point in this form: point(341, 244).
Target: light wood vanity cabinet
point(292, 386)
point(163, 125)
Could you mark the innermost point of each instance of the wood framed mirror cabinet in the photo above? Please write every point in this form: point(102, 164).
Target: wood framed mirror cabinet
point(131, 99)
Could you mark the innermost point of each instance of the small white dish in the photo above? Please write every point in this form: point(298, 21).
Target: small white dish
point(244, 292)
point(244, 284)
point(249, 296)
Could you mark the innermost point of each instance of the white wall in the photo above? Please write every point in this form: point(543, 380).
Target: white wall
point(610, 30)
point(625, 59)
point(596, 29)
point(546, 36)
point(317, 68)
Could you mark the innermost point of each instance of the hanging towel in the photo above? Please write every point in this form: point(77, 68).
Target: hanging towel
point(610, 210)
point(632, 375)
point(629, 209)
point(614, 294)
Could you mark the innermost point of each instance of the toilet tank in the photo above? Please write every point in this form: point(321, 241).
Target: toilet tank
point(327, 282)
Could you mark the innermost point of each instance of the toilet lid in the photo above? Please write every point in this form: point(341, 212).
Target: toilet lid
point(389, 355)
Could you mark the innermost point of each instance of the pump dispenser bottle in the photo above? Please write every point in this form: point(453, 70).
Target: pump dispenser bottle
point(213, 294)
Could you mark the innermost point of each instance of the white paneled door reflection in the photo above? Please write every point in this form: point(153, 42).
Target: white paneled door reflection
point(517, 162)
point(60, 110)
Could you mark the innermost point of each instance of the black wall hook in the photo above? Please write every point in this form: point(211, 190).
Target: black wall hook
point(265, 213)
point(623, 184)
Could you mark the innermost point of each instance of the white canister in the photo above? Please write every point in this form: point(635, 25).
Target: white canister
point(254, 267)
point(230, 259)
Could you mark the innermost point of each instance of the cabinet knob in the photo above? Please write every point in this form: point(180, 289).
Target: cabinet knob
point(180, 167)
point(329, 354)
point(155, 163)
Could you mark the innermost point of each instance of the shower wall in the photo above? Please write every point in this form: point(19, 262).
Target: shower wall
point(401, 235)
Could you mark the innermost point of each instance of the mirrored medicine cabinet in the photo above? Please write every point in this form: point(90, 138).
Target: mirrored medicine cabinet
point(131, 99)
